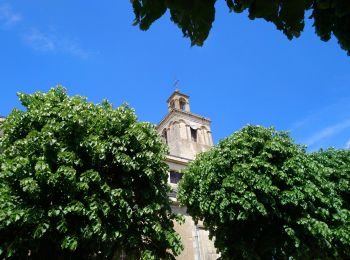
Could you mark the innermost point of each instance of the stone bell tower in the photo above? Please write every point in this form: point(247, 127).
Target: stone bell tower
point(186, 134)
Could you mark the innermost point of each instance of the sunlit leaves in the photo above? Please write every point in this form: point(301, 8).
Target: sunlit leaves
point(80, 180)
point(262, 196)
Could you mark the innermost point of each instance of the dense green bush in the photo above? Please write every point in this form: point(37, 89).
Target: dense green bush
point(80, 180)
point(263, 197)
point(337, 171)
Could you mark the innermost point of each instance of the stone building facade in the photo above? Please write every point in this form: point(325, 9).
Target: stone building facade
point(1, 121)
point(186, 134)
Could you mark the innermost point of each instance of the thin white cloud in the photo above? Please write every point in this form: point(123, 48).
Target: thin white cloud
point(72, 47)
point(8, 17)
point(328, 132)
point(317, 114)
point(45, 42)
point(39, 41)
point(347, 146)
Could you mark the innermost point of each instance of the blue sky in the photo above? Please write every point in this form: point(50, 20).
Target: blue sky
point(247, 71)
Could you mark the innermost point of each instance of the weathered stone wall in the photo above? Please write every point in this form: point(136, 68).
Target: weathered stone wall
point(2, 119)
point(196, 242)
point(177, 125)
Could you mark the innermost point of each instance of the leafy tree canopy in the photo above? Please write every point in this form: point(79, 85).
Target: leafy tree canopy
point(337, 163)
point(338, 169)
point(195, 17)
point(262, 196)
point(80, 180)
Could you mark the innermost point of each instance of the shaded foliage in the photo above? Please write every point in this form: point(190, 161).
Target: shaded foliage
point(262, 196)
point(195, 17)
point(82, 181)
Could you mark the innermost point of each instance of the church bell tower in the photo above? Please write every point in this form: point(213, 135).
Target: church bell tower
point(186, 134)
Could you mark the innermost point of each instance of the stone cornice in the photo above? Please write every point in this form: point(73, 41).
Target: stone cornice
point(177, 159)
point(184, 115)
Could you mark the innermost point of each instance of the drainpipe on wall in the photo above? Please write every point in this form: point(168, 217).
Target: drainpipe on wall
point(198, 244)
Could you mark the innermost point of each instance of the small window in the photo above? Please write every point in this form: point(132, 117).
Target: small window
point(182, 105)
point(193, 135)
point(165, 136)
point(175, 177)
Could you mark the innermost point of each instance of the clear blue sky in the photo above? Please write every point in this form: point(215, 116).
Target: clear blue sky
point(247, 71)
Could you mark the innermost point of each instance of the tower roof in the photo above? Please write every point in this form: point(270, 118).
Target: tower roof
point(178, 93)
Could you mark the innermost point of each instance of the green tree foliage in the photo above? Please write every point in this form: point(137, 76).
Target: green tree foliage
point(82, 181)
point(338, 170)
point(195, 17)
point(262, 196)
point(337, 163)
